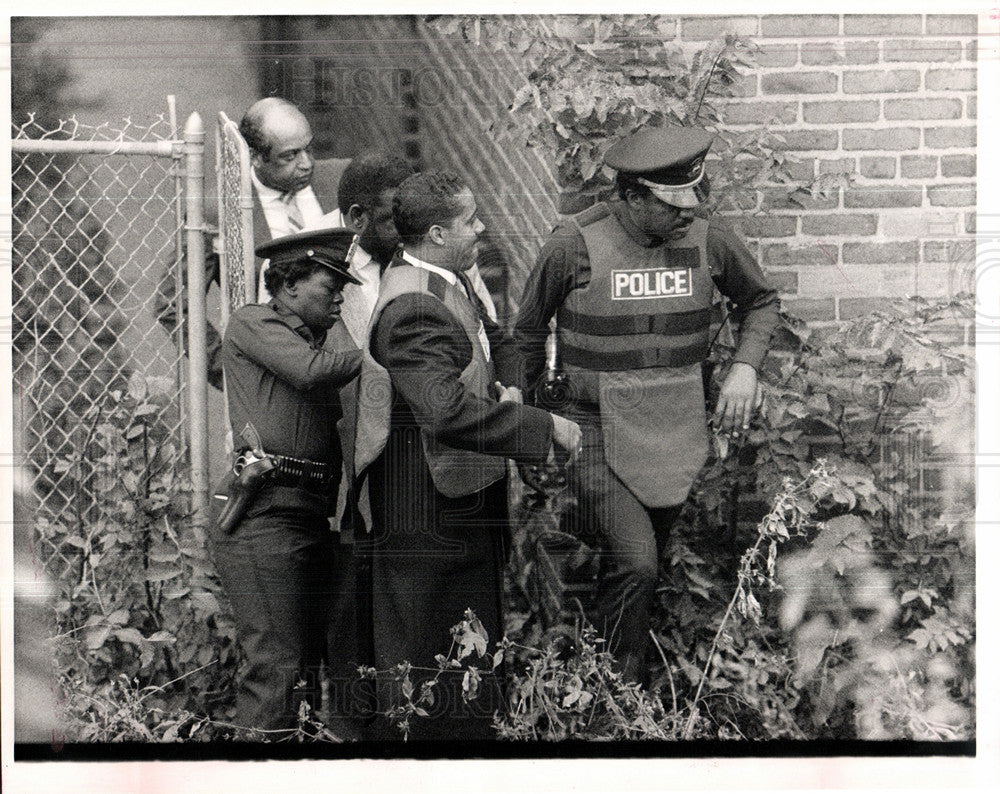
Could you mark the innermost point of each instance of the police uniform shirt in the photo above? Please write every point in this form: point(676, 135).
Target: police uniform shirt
point(563, 265)
point(285, 379)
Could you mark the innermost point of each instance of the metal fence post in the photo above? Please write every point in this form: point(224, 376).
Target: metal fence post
point(194, 168)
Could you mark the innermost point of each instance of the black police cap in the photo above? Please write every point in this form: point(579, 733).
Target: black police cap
point(332, 248)
point(669, 160)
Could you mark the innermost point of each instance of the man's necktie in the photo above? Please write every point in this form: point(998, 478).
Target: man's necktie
point(295, 219)
point(472, 296)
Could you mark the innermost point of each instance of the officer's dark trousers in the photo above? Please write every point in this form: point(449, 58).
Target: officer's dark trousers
point(280, 570)
point(631, 538)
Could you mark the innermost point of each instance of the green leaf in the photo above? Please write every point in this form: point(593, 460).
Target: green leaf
point(95, 637)
point(130, 635)
point(137, 387)
point(146, 409)
point(470, 684)
point(160, 573)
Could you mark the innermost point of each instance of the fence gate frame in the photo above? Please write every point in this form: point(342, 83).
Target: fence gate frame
point(237, 268)
point(187, 154)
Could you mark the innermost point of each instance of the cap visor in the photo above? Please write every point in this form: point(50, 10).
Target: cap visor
point(685, 198)
point(343, 274)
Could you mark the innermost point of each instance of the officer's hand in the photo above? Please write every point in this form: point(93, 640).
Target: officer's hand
point(567, 434)
point(738, 400)
point(509, 394)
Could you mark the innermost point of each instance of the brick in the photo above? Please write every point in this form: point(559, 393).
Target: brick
point(920, 224)
point(781, 199)
point(882, 24)
point(777, 55)
point(745, 86)
point(800, 170)
point(878, 253)
point(760, 112)
point(952, 195)
point(864, 280)
point(799, 83)
point(785, 255)
point(950, 137)
point(892, 139)
point(710, 27)
point(851, 308)
point(786, 282)
point(971, 107)
point(950, 79)
point(839, 112)
point(804, 25)
point(768, 226)
point(879, 82)
point(871, 197)
point(845, 165)
point(839, 224)
point(923, 51)
point(970, 223)
point(878, 167)
point(922, 109)
point(949, 250)
point(958, 165)
point(827, 53)
point(809, 140)
point(972, 51)
point(913, 166)
point(935, 279)
point(952, 24)
point(811, 309)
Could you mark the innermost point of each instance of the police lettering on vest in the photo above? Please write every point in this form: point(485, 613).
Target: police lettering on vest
point(654, 283)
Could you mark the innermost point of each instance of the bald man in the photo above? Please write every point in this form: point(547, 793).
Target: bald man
point(291, 192)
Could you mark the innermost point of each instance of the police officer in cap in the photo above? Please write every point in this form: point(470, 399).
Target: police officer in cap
point(630, 282)
point(281, 566)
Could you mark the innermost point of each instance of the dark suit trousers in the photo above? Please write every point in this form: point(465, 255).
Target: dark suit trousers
point(433, 557)
point(287, 579)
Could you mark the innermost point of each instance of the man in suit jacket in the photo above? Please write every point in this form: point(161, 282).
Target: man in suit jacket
point(291, 192)
point(434, 429)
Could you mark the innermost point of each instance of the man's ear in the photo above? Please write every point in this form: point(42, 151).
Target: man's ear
point(357, 218)
point(255, 158)
point(436, 234)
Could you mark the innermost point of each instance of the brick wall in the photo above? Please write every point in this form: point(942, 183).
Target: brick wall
point(889, 100)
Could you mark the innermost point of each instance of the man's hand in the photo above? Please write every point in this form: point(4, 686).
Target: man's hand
point(567, 434)
point(509, 394)
point(739, 398)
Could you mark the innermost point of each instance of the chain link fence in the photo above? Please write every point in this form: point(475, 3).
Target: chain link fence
point(98, 233)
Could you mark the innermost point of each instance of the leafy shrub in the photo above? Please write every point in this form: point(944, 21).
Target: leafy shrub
point(137, 607)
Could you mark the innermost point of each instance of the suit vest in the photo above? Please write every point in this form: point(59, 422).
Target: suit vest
point(455, 472)
point(633, 341)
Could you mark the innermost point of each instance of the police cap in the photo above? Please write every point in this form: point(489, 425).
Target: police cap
point(332, 248)
point(670, 161)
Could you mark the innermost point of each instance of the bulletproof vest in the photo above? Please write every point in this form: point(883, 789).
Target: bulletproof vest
point(633, 340)
point(455, 472)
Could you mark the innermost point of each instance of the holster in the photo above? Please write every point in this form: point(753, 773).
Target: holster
point(553, 392)
point(240, 484)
